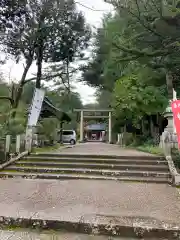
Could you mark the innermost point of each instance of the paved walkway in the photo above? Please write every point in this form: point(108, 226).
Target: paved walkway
point(102, 149)
point(90, 201)
point(27, 235)
point(79, 200)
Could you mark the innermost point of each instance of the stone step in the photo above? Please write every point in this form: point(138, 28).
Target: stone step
point(88, 171)
point(127, 166)
point(96, 160)
point(33, 175)
point(79, 155)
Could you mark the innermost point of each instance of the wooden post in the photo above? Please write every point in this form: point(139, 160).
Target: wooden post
point(18, 144)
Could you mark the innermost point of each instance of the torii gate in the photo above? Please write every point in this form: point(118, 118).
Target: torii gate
point(84, 115)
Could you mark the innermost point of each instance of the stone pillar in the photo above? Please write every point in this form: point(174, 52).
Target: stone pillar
point(110, 127)
point(28, 139)
point(118, 138)
point(7, 147)
point(169, 131)
point(82, 127)
point(18, 143)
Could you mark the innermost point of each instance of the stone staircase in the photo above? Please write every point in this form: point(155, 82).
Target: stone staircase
point(74, 166)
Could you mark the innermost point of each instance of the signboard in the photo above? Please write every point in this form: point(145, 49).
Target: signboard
point(176, 115)
point(95, 113)
point(36, 107)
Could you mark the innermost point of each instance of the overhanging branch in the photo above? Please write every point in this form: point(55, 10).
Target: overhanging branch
point(7, 98)
point(141, 53)
point(51, 76)
point(127, 59)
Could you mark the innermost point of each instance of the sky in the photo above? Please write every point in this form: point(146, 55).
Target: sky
point(14, 71)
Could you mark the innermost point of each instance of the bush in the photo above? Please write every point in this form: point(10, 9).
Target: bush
point(176, 157)
point(2, 152)
point(138, 140)
point(151, 149)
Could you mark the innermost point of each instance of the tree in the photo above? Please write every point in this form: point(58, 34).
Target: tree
point(62, 34)
point(17, 125)
point(8, 125)
point(67, 102)
point(132, 99)
point(93, 72)
point(54, 32)
point(12, 13)
point(104, 99)
point(150, 35)
point(118, 67)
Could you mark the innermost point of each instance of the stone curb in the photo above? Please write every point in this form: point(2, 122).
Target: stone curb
point(23, 154)
point(135, 230)
point(122, 157)
point(173, 171)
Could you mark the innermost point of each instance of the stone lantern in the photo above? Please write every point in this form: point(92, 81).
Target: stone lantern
point(169, 116)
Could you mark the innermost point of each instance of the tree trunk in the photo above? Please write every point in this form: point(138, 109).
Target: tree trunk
point(169, 83)
point(151, 127)
point(40, 48)
point(7, 98)
point(20, 87)
point(39, 65)
point(61, 133)
point(143, 127)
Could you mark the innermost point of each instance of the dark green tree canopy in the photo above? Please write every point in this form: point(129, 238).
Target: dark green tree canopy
point(12, 13)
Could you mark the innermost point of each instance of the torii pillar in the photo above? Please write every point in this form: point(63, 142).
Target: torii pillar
point(110, 127)
point(82, 127)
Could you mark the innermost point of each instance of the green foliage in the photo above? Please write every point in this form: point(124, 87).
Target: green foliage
point(11, 13)
point(47, 148)
point(132, 99)
point(135, 62)
point(62, 100)
point(176, 157)
point(42, 31)
point(49, 31)
point(67, 102)
point(151, 149)
point(47, 128)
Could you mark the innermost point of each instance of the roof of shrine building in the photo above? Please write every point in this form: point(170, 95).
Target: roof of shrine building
point(49, 110)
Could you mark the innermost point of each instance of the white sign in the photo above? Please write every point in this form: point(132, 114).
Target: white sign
point(36, 107)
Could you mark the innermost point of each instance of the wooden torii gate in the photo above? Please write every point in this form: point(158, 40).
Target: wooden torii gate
point(88, 114)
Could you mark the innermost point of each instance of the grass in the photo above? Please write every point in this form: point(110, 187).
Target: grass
point(47, 148)
point(150, 149)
